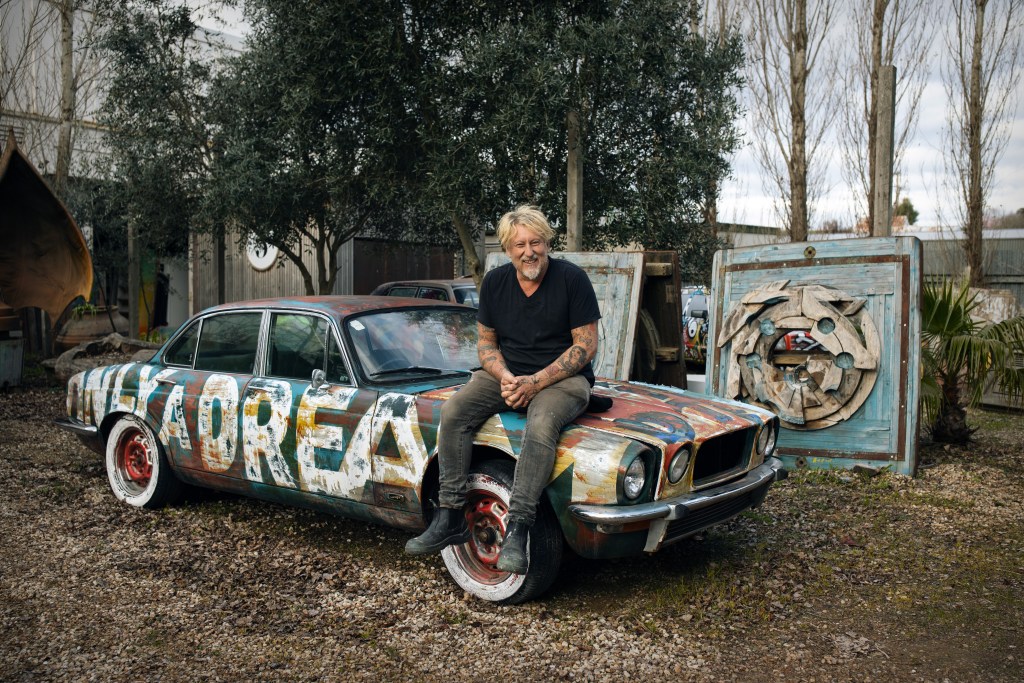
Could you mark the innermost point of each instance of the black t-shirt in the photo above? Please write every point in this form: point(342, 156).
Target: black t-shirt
point(535, 330)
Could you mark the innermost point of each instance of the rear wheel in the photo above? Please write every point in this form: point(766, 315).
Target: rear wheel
point(136, 466)
point(472, 564)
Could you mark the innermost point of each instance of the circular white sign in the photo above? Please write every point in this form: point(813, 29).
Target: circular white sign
point(261, 256)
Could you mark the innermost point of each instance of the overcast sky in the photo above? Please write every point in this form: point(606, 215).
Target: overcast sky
point(743, 199)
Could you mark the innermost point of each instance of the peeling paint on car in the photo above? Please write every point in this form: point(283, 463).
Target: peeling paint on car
point(366, 450)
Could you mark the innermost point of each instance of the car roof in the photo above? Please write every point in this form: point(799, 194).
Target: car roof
point(456, 281)
point(339, 306)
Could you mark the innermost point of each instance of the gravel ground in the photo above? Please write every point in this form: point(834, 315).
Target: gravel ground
point(838, 577)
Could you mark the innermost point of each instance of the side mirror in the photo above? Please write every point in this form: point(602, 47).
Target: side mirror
point(319, 379)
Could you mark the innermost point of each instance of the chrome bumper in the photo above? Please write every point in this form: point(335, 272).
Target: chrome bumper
point(88, 434)
point(611, 519)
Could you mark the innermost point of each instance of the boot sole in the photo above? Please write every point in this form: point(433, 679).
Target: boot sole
point(414, 548)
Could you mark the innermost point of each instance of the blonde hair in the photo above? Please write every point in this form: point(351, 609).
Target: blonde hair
point(529, 217)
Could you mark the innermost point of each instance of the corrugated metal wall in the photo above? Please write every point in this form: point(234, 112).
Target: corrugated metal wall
point(363, 265)
point(1003, 260)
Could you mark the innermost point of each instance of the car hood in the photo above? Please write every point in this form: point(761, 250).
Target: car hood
point(661, 415)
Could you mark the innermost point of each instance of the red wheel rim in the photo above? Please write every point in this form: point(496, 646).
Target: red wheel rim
point(135, 459)
point(486, 514)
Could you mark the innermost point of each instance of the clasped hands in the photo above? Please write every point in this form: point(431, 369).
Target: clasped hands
point(519, 391)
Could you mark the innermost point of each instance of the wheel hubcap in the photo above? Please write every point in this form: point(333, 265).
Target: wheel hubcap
point(487, 517)
point(136, 459)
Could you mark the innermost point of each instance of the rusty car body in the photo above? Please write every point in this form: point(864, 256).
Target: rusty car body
point(334, 402)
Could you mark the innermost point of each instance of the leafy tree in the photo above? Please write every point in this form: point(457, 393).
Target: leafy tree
point(654, 101)
point(905, 207)
point(409, 118)
point(317, 135)
point(420, 118)
point(155, 113)
point(960, 356)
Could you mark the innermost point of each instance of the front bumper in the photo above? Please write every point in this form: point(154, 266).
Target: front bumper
point(87, 433)
point(674, 519)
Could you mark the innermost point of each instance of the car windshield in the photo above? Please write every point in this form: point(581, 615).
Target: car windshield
point(397, 344)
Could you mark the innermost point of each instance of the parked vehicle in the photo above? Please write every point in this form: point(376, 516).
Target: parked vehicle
point(695, 323)
point(333, 403)
point(461, 290)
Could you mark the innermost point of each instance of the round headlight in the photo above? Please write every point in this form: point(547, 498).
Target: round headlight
point(677, 468)
point(636, 476)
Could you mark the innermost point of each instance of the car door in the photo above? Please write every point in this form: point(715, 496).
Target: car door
point(208, 368)
point(300, 435)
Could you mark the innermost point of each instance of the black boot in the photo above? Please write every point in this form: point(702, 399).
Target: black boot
point(513, 557)
point(448, 527)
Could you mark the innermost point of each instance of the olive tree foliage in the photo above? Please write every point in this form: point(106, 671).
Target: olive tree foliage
point(792, 74)
point(413, 117)
point(156, 116)
point(656, 107)
point(980, 74)
point(883, 32)
point(409, 118)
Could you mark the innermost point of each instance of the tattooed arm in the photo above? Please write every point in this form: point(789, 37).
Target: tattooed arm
point(584, 347)
point(491, 359)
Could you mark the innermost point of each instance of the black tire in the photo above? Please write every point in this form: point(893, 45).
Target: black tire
point(472, 564)
point(137, 468)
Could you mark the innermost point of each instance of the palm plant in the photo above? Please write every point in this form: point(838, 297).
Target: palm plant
point(961, 356)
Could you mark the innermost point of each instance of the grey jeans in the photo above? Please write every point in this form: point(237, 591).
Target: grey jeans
point(550, 410)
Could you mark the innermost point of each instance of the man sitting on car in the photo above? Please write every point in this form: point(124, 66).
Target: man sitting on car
point(537, 326)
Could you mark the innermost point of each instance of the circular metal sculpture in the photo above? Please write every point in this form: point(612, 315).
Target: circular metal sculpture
point(809, 384)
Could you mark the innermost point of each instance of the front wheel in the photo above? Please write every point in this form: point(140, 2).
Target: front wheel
point(136, 466)
point(472, 564)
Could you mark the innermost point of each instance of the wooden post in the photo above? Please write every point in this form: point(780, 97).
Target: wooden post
point(574, 189)
point(134, 280)
point(882, 201)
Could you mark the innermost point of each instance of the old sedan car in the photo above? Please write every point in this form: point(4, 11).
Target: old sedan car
point(460, 290)
point(333, 403)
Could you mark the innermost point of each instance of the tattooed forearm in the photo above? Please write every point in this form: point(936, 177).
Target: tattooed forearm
point(487, 350)
point(575, 358)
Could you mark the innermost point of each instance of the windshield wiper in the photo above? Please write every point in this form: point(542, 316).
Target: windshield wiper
point(419, 369)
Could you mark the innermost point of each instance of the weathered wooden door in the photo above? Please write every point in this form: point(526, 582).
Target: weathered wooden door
point(828, 336)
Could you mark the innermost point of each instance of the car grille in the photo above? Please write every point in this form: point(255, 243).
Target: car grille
point(701, 519)
point(721, 455)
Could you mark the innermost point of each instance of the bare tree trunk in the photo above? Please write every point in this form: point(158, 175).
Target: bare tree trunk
point(877, 24)
point(476, 269)
point(984, 45)
point(792, 82)
point(67, 95)
point(975, 111)
point(798, 121)
point(574, 185)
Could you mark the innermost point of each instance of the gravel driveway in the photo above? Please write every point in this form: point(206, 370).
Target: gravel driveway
point(838, 577)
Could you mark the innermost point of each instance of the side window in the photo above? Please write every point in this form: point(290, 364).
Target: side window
point(468, 296)
point(228, 343)
point(402, 291)
point(298, 344)
point(183, 352)
point(433, 293)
